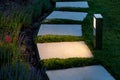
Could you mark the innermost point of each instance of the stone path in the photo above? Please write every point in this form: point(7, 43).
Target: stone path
point(83, 73)
point(65, 50)
point(61, 50)
point(66, 29)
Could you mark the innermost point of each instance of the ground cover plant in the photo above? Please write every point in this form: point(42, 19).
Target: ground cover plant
point(55, 63)
point(109, 56)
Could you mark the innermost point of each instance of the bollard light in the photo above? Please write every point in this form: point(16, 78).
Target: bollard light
point(97, 30)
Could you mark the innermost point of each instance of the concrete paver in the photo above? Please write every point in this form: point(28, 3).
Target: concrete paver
point(80, 4)
point(67, 15)
point(96, 72)
point(64, 50)
point(66, 29)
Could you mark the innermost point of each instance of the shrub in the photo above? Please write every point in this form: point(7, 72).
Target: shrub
point(11, 22)
point(9, 53)
point(18, 71)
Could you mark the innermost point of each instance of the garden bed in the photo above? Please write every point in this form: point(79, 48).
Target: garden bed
point(23, 17)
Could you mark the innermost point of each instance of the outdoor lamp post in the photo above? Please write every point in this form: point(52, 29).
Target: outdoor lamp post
point(97, 30)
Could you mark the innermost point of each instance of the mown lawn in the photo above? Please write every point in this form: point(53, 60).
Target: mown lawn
point(109, 56)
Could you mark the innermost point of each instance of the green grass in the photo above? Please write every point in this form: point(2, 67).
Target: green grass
point(109, 56)
point(57, 38)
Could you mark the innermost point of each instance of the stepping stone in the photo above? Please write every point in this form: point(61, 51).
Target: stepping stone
point(74, 30)
point(64, 50)
point(81, 4)
point(67, 15)
point(96, 72)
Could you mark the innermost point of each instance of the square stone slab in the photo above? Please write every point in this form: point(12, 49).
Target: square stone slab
point(64, 50)
point(81, 4)
point(67, 15)
point(66, 29)
point(96, 72)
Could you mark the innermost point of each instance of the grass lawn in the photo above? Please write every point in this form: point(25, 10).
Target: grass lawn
point(109, 56)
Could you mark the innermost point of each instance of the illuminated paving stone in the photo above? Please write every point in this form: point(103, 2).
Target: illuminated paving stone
point(64, 50)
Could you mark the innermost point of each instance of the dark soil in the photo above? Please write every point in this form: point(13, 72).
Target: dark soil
point(29, 47)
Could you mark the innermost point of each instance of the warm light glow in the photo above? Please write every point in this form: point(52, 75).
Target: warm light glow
point(94, 22)
point(64, 50)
